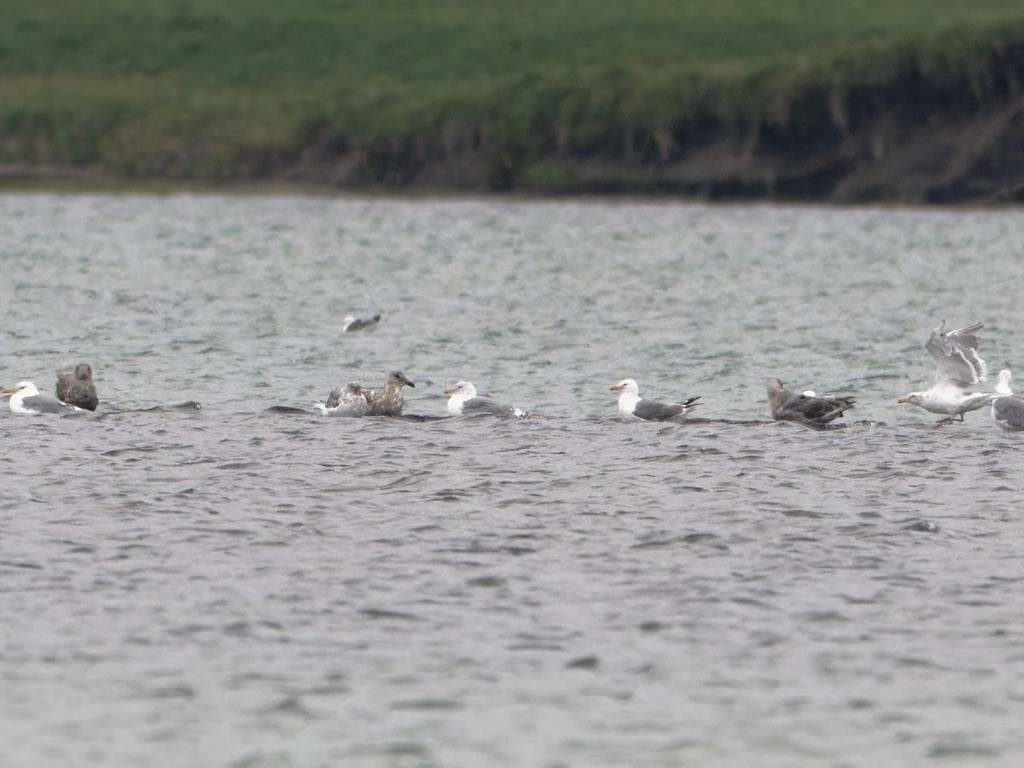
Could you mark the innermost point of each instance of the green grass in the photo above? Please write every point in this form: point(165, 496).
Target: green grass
point(180, 87)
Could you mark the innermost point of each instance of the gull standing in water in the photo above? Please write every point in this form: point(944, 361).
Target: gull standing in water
point(75, 387)
point(805, 407)
point(959, 370)
point(632, 406)
point(1007, 408)
point(464, 401)
point(25, 399)
point(347, 401)
point(388, 400)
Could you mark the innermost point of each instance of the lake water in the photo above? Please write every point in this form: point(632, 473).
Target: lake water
point(247, 584)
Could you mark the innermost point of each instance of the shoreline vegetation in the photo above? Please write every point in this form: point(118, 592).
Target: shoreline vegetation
point(797, 100)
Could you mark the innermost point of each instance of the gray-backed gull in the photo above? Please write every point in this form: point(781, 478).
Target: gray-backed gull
point(959, 370)
point(632, 406)
point(1007, 408)
point(464, 401)
point(25, 399)
point(351, 324)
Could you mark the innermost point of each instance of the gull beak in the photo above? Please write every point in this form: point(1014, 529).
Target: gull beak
point(902, 400)
point(10, 390)
point(615, 388)
point(450, 390)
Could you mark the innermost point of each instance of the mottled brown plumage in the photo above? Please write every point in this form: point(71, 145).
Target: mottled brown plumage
point(388, 400)
point(75, 387)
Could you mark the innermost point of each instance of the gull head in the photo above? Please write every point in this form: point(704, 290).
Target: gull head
point(464, 388)
point(23, 388)
point(626, 385)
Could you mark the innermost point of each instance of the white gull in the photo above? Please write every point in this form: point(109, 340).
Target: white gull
point(959, 370)
point(632, 406)
point(25, 399)
point(463, 400)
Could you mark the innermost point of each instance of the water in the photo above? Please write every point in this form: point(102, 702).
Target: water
point(249, 585)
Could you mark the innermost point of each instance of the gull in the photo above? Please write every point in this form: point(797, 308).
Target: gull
point(347, 401)
point(75, 387)
point(388, 400)
point(1007, 408)
point(464, 401)
point(805, 407)
point(632, 406)
point(959, 370)
point(351, 324)
point(25, 399)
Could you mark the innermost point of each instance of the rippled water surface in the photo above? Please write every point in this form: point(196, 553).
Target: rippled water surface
point(248, 584)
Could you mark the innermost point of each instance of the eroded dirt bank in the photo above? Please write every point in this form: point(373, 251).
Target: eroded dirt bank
point(952, 137)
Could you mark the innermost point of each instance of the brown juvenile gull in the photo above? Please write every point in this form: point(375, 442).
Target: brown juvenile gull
point(344, 401)
point(464, 401)
point(632, 406)
point(388, 400)
point(351, 324)
point(25, 399)
point(959, 370)
point(75, 387)
point(805, 407)
point(1007, 408)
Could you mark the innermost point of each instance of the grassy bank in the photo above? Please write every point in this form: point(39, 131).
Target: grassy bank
point(452, 93)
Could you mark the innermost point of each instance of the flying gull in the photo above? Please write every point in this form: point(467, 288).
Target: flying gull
point(344, 401)
point(958, 372)
point(1007, 408)
point(464, 401)
point(632, 406)
point(388, 400)
point(75, 387)
point(351, 324)
point(805, 407)
point(25, 398)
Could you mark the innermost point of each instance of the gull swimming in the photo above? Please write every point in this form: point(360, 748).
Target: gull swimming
point(351, 324)
point(805, 407)
point(1007, 408)
point(959, 370)
point(25, 399)
point(388, 400)
point(632, 406)
point(75, 387)
point(344, 401)
point(463, 400)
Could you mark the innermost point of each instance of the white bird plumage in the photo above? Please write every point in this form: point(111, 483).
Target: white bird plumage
point(26, 399)
point(959, 370)
point(463, 400)
point(344, 401)
point(632, 406)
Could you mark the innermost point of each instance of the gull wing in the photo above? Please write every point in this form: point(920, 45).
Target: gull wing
point(956, 356)
point(652, 410)
point(485, 406)
point(47, 404)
